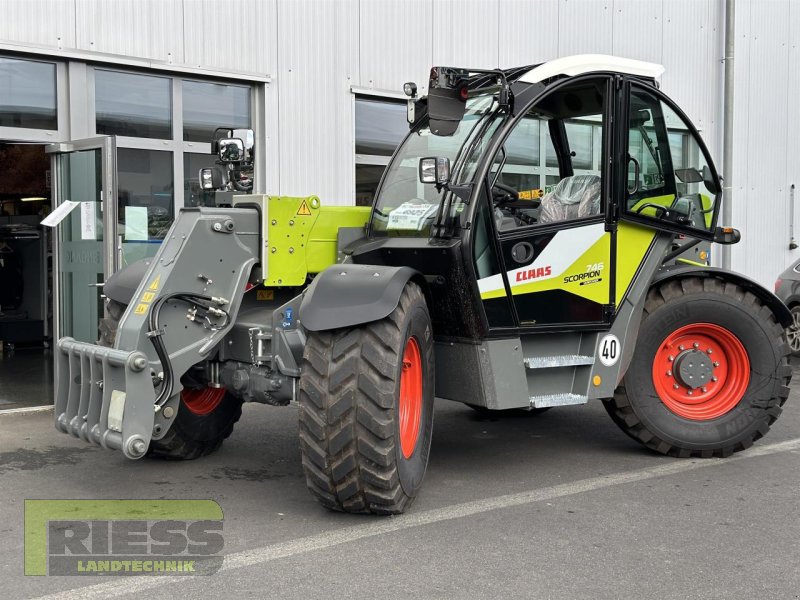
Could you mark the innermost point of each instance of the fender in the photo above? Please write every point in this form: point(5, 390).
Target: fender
point(346, 295)
point(122, 285)
point(778, 308)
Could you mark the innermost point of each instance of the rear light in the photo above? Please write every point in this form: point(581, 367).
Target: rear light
point(463, 92)
point(778, 283)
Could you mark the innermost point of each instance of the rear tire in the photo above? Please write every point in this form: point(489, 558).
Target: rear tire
point(740, 385)
point(206, 415)
point(366, 410)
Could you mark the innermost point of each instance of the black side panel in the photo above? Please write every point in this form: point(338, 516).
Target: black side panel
point(498, 312)
point(455, 307)
point(556, 307)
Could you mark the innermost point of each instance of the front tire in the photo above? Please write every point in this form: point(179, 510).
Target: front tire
point(366, 410)
point(709, 374)
point(205, 418)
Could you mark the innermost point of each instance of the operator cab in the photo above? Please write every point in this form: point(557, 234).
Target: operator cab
point(517, 181)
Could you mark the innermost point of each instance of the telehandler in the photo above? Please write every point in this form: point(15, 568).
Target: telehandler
point(519, 254)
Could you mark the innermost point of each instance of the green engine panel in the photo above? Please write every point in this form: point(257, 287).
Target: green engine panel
point(300, 235)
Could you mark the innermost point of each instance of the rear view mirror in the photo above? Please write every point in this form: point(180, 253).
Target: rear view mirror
point(690, 175)
point(231, 150)
point(639, 118)
point(708, 180)
point(434, 169)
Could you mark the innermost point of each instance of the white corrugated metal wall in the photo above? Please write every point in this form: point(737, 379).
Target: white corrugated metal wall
point(766, 155)
point(315, 50)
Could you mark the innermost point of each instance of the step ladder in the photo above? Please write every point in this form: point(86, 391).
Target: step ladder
point(558, 367)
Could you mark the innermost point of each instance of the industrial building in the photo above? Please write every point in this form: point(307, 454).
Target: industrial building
point(320, 83)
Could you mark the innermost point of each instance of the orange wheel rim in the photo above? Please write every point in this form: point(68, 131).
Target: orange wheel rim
point(202, 401)
point(701, 371)
point(410, 397)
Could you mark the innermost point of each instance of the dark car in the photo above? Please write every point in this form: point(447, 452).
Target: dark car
point(787, 288)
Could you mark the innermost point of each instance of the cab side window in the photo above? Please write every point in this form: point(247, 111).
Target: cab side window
point(549, 169)
point(668, 174)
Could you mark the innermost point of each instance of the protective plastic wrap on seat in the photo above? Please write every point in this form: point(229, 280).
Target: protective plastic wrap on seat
point(574, 197)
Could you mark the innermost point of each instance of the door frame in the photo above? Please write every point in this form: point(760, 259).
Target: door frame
point(628, 83)
point(107, 145)
point(608, 202)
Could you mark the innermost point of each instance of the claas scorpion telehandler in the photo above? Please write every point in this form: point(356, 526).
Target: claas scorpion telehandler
point(519, 254)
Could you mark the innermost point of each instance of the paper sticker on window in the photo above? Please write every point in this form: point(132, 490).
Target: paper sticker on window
point(411, 216)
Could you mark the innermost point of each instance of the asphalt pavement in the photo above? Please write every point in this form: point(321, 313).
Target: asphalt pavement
point(557, 505)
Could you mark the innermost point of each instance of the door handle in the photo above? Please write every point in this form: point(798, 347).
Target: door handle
point(636, 172)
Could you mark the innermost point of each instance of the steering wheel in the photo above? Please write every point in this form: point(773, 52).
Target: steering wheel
point(504, 194)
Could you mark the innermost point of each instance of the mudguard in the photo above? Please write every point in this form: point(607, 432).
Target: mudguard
point(348, 294)
point(779, 309)
point(122, 285)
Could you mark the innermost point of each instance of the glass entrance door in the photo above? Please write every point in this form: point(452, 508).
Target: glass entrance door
point(85, 249)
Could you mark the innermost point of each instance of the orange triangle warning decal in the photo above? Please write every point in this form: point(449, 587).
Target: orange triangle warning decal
point(303, 211)
point(155, 283)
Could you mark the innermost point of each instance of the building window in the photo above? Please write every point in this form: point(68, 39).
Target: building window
point(28, 94)
point(145, 193)
point(207, 106)
point(133, 105)
point(380, 125)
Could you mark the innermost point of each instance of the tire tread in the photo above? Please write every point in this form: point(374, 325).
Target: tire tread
point(621, 411)
point(346, 384)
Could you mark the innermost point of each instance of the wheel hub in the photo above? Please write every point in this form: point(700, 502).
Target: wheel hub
point(202, 401)
point(701, 371)
point(693, 369)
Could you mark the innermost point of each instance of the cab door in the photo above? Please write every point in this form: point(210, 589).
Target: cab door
point(550, 191)
point(671, 183)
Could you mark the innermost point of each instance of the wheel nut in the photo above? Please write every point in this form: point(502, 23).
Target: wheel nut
point(689, 392)
point(709, 351)
point(675, 386)
point(704, 390)
point(671, 358)
point(695, 345)
point(681, 348)
point(669, 373)
point(714, 379)
point(716, 363)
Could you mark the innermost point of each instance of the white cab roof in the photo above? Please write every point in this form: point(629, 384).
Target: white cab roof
point(588, 63)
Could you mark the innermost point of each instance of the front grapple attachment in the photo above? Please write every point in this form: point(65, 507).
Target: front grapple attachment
point(189, 297)
point(92, 386)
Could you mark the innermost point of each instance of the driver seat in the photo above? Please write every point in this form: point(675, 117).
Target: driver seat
point(574, 197)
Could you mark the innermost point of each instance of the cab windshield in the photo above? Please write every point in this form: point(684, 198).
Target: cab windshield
point(407, 207)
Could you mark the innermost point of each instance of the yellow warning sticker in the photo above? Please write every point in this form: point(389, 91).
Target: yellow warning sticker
point(531, 194)
point(148, 296)
point(265, 294)
point(303, 211)
point(155, 283)
point(140, 309)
